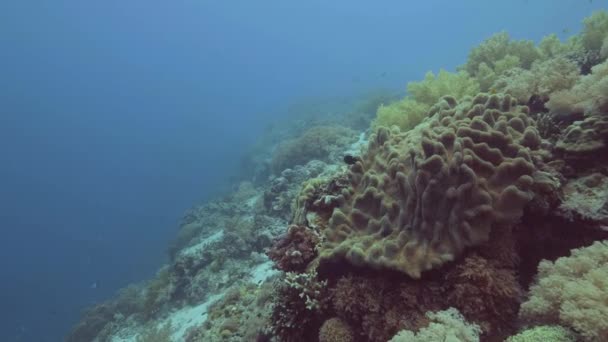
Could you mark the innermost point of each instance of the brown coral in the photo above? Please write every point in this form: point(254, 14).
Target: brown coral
point(293, 251)
point(419, 198)
point(336, 330)
point(484, 293)
point(379, 306)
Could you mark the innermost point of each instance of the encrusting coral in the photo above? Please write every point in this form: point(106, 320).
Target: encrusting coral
point(419, 198)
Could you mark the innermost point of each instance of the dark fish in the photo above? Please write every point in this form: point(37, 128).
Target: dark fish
point(350, 159)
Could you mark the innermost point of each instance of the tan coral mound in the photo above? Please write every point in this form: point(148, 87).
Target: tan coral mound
point(419, 198)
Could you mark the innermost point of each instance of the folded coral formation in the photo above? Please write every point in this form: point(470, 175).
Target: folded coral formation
point(419, 198)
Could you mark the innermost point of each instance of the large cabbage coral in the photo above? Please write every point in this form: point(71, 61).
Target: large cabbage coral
point(419, 198)
point(573, 292)
point(411, 110)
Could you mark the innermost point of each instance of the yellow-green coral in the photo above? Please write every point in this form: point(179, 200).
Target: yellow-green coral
point(496, 48)
point(588, 95)
point(404, 114)
point(448, 325)
point(411, 110)
point(543, 79)
point(433, 87)
point(486, 76)
point(544, 333)
point(573, 292)
point(595, 31)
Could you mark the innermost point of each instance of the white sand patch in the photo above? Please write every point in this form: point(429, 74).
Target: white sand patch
point(188, 317)
point(261, 272)
point(181, 320)
point(196, 248)
point(356, 147)
point(251, 202)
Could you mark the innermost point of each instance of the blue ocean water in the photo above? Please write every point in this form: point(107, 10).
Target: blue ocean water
point(119, 115)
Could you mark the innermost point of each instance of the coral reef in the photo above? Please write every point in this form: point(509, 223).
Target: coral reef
point(460, 206)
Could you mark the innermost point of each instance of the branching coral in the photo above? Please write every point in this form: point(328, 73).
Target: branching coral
point(300, 303)
point(419, 198)
point(573, 292)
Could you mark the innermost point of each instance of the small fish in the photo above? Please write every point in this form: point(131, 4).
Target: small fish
point(566, 30)
point(94, 285)
point(383, 74)
point(350, 159)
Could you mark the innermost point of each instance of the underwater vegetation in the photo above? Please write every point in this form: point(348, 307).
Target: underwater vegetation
point(473, 209)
